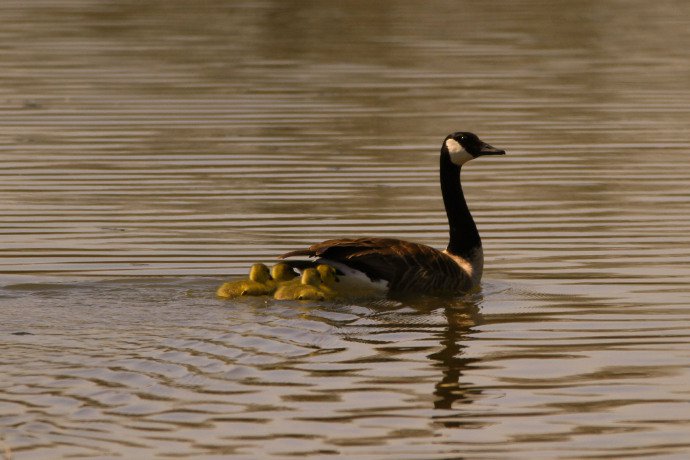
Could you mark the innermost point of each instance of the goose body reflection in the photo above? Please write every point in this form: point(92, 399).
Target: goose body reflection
point(389, 265)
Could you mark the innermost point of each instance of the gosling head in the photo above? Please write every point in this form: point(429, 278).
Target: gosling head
point(283, 272)
point(311, 277)
point(311, 296)
point(462, 147)
point(259, 273)
point(327, 274)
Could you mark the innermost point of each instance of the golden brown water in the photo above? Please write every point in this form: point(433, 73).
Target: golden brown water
point(151, 150)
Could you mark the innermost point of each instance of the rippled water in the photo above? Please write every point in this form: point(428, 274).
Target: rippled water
point(152, 150)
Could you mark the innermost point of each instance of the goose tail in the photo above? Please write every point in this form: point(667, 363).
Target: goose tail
point(297, 253)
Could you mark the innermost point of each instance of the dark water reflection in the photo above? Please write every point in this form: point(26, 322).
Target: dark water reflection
point(149, 151)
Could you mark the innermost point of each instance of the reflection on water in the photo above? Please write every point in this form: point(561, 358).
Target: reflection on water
point(151, 151)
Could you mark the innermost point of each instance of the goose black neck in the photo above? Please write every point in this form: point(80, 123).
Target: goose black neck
point(464, 237)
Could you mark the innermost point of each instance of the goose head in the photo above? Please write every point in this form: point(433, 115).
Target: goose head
point(464, 146)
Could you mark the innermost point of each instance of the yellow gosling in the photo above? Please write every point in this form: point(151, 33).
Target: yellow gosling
point(310, 288)
point(307, 289)
point(259, 283)
point(328, 280)
point(282, 272)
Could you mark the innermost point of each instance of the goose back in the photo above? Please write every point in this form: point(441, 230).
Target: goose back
point(407, 267)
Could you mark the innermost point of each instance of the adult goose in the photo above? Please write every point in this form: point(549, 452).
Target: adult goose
point(404, 267)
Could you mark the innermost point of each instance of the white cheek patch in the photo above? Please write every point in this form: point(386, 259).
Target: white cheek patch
point(458, 154)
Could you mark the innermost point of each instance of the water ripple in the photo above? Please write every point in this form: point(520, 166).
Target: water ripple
point(150, 153)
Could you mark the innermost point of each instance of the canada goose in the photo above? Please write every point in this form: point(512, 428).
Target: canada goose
point(259, 283)
point(399, 266)
point(308, 288)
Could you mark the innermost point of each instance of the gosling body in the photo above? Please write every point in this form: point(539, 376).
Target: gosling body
point(259, 283)
point(308, 287)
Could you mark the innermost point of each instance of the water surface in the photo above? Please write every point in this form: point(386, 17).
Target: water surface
point(150, 152)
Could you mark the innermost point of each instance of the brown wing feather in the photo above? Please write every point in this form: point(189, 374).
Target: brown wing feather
point(407, 266)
